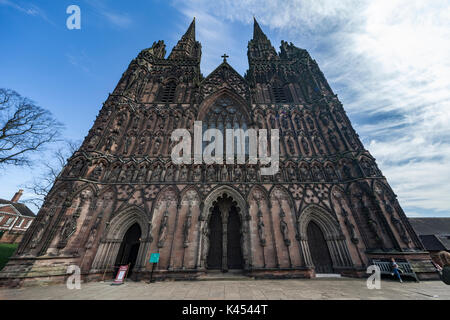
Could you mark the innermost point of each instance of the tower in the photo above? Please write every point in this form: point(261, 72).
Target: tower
point(328, 209)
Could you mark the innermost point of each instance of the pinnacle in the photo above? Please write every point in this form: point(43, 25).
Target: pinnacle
point(190, 33)
point(258, 34)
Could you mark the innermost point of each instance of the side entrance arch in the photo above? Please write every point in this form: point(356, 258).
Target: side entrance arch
point(129, 248)
point(318, 249)
point(125, 240)
point(322, 241)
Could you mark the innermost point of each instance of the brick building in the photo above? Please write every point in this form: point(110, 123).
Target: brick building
point(15, 219)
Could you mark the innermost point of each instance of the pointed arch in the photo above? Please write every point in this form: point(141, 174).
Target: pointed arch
point(242, 211)
point(114, 234)
point(243, 105)
point(324, 219)
point(330, 228)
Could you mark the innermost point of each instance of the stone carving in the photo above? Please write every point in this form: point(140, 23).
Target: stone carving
point(127, 152)
point(156, 174)
point(350, 227)
point(93, 233)
point(183, 174)
point(285, 232)
point(68, 229)
point(305, 145)
point(97, 172)
point(187, 226)
point(127, 144)
point(162, 235)
point(251, 174)
point(211, 174)
point(197, 174)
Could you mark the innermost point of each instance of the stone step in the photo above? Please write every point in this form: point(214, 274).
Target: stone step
point(224, 276)
point(234, 278)
point(328, 275)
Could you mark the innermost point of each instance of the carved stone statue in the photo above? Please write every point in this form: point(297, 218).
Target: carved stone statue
point(224, 173)
point(211, 174)
point(169, 174)
point(237, 175)
point(156, 174)
point(186, 228)
point(285, 232)
point(157, 145)
point(163, 229)
point(128, 141)
point(183, 174)
point(197, 175)
point(305, 145)
point(93, 233)
point(261, 231)
point(251, 174)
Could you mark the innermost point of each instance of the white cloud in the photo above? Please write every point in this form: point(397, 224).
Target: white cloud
point(117, 19)
point(390, 61)
point(28, 9)
point(214, 34)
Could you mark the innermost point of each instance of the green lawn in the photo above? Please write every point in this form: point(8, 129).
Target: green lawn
point(6, 251)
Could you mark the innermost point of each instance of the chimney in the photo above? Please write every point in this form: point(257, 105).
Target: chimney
point(17, 196)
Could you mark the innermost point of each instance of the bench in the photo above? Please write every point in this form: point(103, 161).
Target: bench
point(405, 268)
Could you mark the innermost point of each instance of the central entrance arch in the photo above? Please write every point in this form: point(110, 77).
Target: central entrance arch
point(225, 250)
point(224, 238)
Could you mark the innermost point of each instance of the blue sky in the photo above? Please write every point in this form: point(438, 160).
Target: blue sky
point(388, 61)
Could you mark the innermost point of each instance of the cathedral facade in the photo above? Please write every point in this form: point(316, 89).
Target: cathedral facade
point(120, 198)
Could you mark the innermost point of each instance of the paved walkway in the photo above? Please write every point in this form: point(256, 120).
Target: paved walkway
point(325, 288)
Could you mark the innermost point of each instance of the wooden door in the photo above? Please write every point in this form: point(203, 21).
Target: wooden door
point(214, 260)
point(319, 249)
point(234, 251)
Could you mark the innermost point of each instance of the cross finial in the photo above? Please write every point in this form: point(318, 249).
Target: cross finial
point(225, 57)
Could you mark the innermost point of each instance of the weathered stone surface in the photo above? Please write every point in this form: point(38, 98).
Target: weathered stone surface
point(328, 209)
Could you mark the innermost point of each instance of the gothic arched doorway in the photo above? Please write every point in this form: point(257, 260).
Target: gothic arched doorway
point(319, 249)
point(225, 251)
point(129, 248)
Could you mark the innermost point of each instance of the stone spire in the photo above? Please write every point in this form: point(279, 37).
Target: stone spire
point(190, 33)
point(187, 47)
point(260, 47)
point(258, 34)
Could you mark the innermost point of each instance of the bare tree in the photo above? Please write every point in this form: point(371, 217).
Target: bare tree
point(40, 186)
point(24, 128)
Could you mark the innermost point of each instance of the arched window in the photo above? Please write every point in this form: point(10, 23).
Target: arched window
point(168, 92)
point(225, 114)
point(278, 94)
